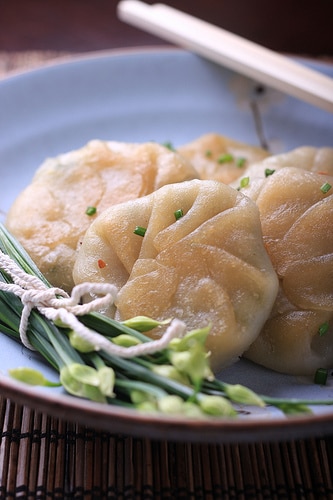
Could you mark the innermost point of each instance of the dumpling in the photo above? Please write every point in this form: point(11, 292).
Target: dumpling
point(49, 217)
point(207, 267)
point(296, 211)
point(309, 158)
point(216, 157)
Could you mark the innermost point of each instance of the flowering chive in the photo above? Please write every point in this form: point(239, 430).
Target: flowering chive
point(323, 329)
point(225, 158)
point(140, 231)
point(178, 214)
point(269, 171)
point(320, 376)
point(325, 187)
point(91, 211)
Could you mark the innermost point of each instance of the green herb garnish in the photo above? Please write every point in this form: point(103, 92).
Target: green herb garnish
point(178, 214)
point(244, 182)
point(169, 145)
point(226, 158)
point(269, 171)
point(323, 328)
point(325, 187)
point(140, 231)
point(240, 162)
point(321, 376)
point(91, 211)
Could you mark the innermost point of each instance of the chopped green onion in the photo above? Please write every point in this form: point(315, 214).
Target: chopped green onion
point(91, 211)
point(140, 231)
point(226, 158)
point(321, 376)
point(240, 162)
point(323, 329)
point(244, 182)
point(325, 187)
point(269, 171)
point(178, 214)
point(169, 145)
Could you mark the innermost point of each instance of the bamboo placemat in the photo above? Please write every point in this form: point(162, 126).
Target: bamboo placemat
point(42, 457)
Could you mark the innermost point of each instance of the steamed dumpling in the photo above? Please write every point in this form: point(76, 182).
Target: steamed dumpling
point(216, 157)
point(319, 160)
point(49, 217)
point(296, 214)
point(208, 267)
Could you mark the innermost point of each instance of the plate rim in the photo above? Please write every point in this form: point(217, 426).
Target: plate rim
point(119, 420)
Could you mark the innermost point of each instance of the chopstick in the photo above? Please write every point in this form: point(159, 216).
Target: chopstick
point(230, 50)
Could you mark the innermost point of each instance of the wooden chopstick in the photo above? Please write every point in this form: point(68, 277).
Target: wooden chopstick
point(230, 50)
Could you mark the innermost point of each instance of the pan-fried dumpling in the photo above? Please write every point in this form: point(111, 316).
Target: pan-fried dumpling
point(296, 211)
point(207, 267)
point(220, 158)
point(49, 217)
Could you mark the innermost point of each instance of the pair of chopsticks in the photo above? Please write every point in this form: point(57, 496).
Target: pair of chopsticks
point(230, 50)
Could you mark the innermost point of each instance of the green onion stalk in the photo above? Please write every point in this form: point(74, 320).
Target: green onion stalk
point(175, 380)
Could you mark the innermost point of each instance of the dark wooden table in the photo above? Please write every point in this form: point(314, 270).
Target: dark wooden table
point(299, 27)
point(46, 458)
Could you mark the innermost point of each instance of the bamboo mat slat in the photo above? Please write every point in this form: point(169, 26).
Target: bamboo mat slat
point(42, 457)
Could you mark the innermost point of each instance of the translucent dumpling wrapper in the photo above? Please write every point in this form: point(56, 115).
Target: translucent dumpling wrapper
point(50, 216)
point(296, 211)
point(216, 157)
point(209, 267)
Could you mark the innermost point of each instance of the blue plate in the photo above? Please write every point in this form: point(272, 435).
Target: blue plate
point(137, 96)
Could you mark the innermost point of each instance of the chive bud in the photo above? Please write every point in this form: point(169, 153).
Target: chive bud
point(170, 404)
point(321, 376)
point(147, 407)
point(240, 394)
point(32, 377)
point(107, 379)
point(170, 372)
point(143, 323)
point(138, 397)
point(125, 340)
point(325, 187)
point(217, 406)
point(84, 374)
point(79, 343)
point(192, 410)
point(140, 231)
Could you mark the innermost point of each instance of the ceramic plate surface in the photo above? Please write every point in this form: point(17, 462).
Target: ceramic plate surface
point(163, 95)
